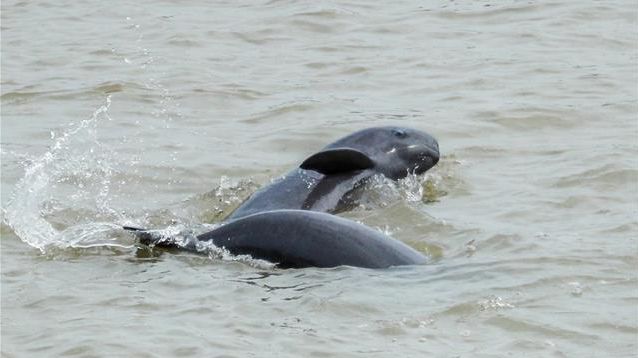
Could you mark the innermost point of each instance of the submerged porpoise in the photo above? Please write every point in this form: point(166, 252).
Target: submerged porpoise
point(301, 238)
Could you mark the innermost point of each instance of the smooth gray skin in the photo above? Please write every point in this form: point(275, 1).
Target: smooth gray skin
point(322, 181)
point(307, 237)
point(299, 238)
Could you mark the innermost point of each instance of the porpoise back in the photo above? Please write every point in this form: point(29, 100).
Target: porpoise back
point(299, 238)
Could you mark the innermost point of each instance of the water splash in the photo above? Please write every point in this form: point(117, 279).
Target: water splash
point(379, 191)
point(415, 190)
point(185, 237)
point(65, 198)
point(220, 253)
point(69, 183)
point(144, 58)
point(494, 303)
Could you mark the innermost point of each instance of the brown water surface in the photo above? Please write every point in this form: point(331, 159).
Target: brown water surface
point(162, 113)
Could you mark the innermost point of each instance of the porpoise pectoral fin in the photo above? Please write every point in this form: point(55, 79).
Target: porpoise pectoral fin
point(337, 160)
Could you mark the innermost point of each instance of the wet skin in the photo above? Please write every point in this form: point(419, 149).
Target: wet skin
point(287, 222)
point(301, 238)
point(323, 180)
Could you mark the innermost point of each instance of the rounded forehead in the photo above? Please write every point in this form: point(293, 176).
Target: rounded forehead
point(391, 131)
point(382, 135)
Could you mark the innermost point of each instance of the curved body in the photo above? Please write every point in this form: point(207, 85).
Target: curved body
point(303, 190)
point(286, 222)
point(299, 238)
point(322, 180)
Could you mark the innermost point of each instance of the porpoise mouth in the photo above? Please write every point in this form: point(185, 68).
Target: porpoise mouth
point(425, 157)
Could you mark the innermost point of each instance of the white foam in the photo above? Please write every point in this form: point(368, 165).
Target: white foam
point(72, 176)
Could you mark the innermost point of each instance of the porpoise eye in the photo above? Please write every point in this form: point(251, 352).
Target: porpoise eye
point(399, 133)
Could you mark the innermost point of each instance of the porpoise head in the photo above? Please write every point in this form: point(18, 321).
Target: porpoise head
point(392, 151)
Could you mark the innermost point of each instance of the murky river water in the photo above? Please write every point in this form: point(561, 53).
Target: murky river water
point(162, 113)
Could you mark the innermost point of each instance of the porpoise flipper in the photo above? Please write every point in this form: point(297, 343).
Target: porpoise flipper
point(337, 160)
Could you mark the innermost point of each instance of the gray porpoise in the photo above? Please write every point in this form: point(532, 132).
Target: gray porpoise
point(323, 180)
point(300, 238)
point(287, 222)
